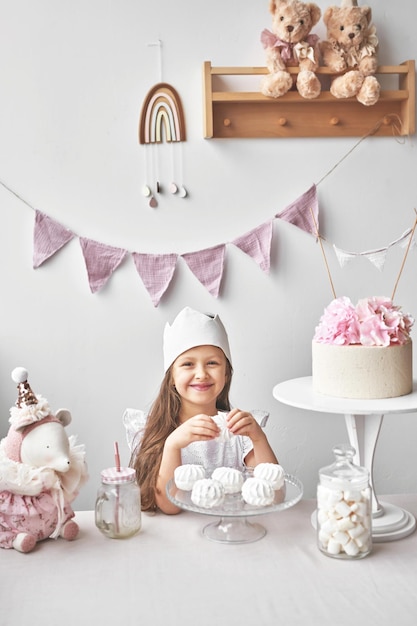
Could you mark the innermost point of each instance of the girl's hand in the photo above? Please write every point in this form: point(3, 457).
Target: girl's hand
point(198, 428)
point(243, 423)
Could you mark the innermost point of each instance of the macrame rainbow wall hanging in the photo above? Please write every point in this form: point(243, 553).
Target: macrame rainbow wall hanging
point(161, 119)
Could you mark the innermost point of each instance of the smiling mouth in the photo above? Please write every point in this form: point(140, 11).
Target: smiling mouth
point(201, 387)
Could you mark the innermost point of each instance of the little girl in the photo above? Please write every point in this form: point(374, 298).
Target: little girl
point(184, 424)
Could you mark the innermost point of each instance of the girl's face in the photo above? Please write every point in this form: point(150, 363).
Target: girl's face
point(199, 376)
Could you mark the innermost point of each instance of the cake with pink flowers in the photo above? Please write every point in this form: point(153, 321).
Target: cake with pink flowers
point(363, 351)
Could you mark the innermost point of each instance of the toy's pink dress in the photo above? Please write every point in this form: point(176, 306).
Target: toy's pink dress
point(38, 516)
point(37, 501)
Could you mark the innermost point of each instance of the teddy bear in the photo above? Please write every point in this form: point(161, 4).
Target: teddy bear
point(291, 44)
point(41, 472)
point(351, 47)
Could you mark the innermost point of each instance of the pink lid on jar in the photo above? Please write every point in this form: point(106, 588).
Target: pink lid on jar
point(115, 476)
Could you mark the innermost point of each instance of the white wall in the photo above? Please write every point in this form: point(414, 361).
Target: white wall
point(73, 77)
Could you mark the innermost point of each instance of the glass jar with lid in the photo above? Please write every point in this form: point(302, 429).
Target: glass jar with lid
point(118, 505)
point(344, 507)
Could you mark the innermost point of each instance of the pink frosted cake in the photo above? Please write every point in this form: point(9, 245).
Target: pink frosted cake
point(363, 351)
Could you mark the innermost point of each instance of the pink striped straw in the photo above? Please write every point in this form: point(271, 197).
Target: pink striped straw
point(117, 456)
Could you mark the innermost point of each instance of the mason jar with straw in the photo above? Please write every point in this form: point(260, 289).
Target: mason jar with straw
point(118, 506)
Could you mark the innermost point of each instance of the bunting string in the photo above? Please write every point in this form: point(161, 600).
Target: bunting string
point(396, 125)
point(157, 270)
point(376, 257)
point(3, 184)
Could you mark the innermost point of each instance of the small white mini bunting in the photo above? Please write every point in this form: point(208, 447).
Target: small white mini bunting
point(376, 257)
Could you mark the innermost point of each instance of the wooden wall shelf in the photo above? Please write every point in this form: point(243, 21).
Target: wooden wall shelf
point(249, 114)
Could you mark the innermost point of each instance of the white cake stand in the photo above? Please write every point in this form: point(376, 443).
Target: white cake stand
point(363, 422)
point(232, 525)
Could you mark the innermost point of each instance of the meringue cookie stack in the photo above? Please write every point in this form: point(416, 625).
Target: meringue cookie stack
point(226, 483)
point(260, 490)
point(272, 473)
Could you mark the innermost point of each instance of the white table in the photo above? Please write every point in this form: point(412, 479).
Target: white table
point(171, 575)
point(363, 421)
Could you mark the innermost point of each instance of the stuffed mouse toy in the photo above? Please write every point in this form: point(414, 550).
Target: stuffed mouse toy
point(41, 472)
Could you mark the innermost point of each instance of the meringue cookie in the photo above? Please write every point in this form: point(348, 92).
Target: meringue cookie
point(207, 493)
point(186, 475)
point(258, 492)
point(273, 473)
point(221, 420)
point(230, 478)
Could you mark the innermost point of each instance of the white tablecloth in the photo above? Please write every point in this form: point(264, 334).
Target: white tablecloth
point(170, 574)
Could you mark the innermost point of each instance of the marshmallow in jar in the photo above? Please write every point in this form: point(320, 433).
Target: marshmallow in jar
point(344, 507)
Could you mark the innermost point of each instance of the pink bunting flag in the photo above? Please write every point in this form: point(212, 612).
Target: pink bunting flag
point(257, 244)
point(299, 212)
point(101, 261)
point(48, 237)
point(207, 266)
point(156, 272)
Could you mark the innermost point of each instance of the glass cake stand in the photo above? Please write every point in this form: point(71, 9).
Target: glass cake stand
point(233, 525)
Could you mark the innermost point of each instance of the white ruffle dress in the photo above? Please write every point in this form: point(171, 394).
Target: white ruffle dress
point(227, 450)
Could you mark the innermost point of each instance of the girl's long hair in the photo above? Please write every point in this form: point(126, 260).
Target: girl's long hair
point(162, 420)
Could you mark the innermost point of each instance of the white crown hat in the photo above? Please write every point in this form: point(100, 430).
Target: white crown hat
point(190, 329)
